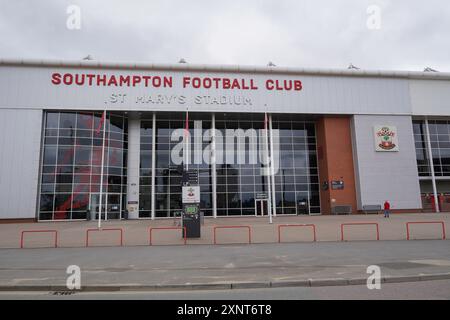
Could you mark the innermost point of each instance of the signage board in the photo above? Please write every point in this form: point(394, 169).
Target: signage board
point(191, 194)
point(386, 139)
point(337, 184)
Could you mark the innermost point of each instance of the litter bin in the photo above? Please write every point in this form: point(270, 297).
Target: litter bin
point(125, 214)
point(191, 221)
point(302, 207)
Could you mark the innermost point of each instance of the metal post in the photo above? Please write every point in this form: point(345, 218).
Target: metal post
point(101, 172)
point(272, 170)
point(187, 140)
point(153, 213)
point(430, 161)
point(267, 172)
point(213, 165)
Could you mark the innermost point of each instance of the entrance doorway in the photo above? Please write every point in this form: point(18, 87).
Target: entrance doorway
point(261, 207)
point(111, 201)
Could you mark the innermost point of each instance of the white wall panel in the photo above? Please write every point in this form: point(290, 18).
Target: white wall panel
point(31, 87)
point(384, 176)
point(19, 162)
point(430, 97)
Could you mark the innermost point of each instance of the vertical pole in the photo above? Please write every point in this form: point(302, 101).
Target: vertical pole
point(213, 165)
point(430, 161)
point(272, 170)
point(187, 138)
point(153, 165)
point(267, 172)
point(101, 172)
point(106, 187)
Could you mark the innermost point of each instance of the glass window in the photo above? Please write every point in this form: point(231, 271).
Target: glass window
point(78, 164)
point(67, 120)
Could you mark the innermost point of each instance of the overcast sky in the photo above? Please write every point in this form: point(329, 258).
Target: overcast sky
point(412, 34)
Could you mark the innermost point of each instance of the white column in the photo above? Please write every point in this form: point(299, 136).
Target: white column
point(134, 150)
point(153, 165)
point(272, 170)
point(430, 161)
point(213, 165)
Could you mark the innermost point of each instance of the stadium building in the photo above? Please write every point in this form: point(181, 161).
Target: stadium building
point(286, 140)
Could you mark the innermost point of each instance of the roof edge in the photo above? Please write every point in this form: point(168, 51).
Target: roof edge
point(224, 68)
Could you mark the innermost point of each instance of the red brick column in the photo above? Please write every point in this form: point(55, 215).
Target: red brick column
point(335, 160)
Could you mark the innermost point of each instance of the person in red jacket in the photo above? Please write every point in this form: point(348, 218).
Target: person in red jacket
point(387, 208)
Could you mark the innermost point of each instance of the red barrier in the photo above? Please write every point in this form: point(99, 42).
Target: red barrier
point(166, 228)
point(417, 222)
point(232, 227)
point(33, 231)
point(106, 229)
point(359, 223)
point(296, 225)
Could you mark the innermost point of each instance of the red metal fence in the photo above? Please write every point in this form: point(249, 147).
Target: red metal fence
point(40, 231)
point(233, 227)
point(425, 222)
point(359, 224)
point(166, 228)
point(313, 226)
point(106, 229)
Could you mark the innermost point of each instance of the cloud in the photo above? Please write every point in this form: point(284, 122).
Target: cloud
point(322, 33)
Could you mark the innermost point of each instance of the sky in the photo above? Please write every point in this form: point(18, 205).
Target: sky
point(370, 34)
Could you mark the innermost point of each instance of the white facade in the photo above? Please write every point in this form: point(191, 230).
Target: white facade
point(372, 98)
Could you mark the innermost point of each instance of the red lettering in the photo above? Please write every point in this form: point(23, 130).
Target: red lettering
point(156, 82)
point(226, 83)
point(244, 87)
point(112, 81)
point(90, 77)
point(146, 79)
point(252, 85)
point(124, 80)
point(68, 79)
point(216, 81)
point(136, 80)
point(196, 83)
point(235, 84)
point(277, 85)
point(186, 81)
point(101, 80)
point(207, 83)
point(269, 84)
point(79, 79)
point(56, 78)
point(298, 85)
point(167, 82)
point(288, 85)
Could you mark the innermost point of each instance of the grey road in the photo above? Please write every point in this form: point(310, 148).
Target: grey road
point(439, 289)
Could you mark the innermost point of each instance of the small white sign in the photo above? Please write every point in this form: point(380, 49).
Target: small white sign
point(191, 194)
point(386, 139)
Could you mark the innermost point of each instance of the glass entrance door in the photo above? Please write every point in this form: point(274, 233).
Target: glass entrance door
point(261, 207)
point(111, 201)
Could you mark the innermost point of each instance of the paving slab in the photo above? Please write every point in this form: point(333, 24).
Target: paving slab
point(238, 266)
point(136, 232)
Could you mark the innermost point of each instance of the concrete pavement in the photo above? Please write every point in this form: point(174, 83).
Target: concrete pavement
point(224, 266)
point(136, 232)
point(424, 290)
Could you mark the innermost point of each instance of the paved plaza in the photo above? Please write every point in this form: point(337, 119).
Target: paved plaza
point(136, 232)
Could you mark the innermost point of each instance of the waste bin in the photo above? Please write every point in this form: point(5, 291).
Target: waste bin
point(302, 207)
point(191, 221)
point(125, 214)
